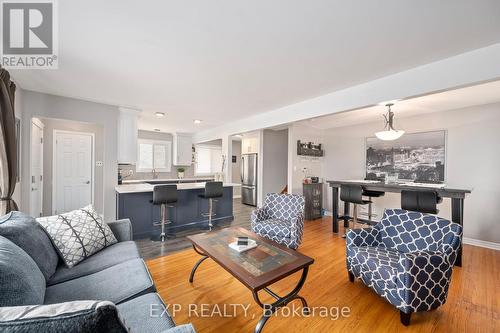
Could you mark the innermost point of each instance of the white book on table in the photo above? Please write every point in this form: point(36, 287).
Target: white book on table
point(242, 248)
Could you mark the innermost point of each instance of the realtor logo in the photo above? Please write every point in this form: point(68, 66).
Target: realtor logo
point(29, 34)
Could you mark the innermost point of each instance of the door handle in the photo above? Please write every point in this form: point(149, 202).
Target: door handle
point(87, 182)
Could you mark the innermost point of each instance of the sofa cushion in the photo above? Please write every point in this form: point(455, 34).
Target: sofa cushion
point(26, 233)
point(110, 256)
point(116, 284)
point(78, 316)
point(377, 264)
point(145, 314)
point(78, 234)
point(273, 227)
point(21, 281)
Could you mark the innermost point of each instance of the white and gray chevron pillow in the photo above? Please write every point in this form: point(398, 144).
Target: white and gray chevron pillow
point(77, 234)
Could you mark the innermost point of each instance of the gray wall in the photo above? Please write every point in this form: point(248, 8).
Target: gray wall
point(313, 165)
point(148, 135)
point(472, 161)
point(48, 149)
point(49, 106)
point(275, 161)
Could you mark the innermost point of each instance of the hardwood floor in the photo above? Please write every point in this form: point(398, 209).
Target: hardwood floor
point(473, 303)
point(150, 249)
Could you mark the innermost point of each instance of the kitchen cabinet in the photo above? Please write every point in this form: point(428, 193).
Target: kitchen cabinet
point(182, 149)
point(127, 136)
point(250, 143)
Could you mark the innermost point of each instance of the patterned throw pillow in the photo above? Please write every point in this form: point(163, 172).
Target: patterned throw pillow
point(78, 234)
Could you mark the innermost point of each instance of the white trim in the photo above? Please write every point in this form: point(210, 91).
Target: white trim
point(237, 196)
point(481, 243)
point(38, 123)
point(54, 171)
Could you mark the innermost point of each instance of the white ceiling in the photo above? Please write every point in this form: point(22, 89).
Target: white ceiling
point(486, 93)
point(225, 60)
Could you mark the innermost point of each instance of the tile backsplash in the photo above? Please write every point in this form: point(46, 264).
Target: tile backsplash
point(130, 169)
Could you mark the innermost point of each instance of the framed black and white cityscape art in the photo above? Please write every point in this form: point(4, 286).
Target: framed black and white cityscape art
point(412, 157)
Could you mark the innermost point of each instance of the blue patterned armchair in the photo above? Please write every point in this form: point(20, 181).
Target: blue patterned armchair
point(407, 258)
point(281, 219)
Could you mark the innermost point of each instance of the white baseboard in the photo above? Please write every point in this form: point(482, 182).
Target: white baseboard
point(481, 243)
point(465, 240)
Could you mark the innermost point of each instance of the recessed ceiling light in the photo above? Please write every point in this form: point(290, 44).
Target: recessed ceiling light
point(160, 114)
point(197, 121)
point(157, 130)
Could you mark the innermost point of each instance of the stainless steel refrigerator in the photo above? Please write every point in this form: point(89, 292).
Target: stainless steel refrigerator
point(249, 179)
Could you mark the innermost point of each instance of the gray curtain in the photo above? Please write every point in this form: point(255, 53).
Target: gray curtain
point(8, 145)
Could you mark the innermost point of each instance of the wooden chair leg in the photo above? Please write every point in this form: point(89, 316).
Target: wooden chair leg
point(405, 318)
point(351, 276)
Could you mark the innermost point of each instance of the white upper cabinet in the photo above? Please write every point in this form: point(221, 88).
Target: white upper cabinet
point(127, 136)
point(182, 149)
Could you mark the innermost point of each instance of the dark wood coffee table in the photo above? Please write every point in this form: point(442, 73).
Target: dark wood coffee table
point(257, 268)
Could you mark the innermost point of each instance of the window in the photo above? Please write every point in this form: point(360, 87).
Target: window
point(154, 155)
point(208, 160)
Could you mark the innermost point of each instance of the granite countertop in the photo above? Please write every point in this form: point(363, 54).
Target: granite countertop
point(137, 188)
point(139, 181)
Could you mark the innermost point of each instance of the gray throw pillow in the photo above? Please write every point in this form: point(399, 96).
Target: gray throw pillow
point(21, 281)
point(25, 232)
point(77, 316)
point(78, 234)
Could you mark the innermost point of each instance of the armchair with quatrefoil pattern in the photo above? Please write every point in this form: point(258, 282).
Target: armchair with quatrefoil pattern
point(407, 258)
point(281, 219)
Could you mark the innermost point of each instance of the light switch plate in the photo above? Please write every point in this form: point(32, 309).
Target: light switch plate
point(99, 163)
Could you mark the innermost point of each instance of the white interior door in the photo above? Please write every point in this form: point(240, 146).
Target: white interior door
point(73, 172)
point(36, 168)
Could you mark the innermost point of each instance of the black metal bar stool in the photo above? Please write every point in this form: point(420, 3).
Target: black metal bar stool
point(420, 201)
point(213, 190)
point(372, 194)
point(163, 195)
point(353, 194)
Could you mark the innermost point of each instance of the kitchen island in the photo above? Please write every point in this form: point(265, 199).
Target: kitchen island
point(133, 201)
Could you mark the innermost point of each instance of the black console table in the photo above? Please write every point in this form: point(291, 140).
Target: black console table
point(456, 195)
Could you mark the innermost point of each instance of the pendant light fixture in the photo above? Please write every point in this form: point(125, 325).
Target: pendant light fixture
point(390, 133)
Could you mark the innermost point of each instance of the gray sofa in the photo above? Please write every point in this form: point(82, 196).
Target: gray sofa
point(111, 291)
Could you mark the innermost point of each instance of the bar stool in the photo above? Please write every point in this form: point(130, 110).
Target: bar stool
point(420, 201)
point(213, 190)
point(163, 195)
point(353, 194)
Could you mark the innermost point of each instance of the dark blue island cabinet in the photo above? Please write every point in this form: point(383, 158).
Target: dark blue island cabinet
point(187, 213)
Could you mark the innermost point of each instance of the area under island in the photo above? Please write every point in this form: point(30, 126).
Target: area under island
point(133, 201)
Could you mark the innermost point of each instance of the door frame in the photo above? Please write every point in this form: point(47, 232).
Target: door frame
point(36, 122)
point(54, 168)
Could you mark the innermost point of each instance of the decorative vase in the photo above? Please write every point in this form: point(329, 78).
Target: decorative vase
point(180, 174)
